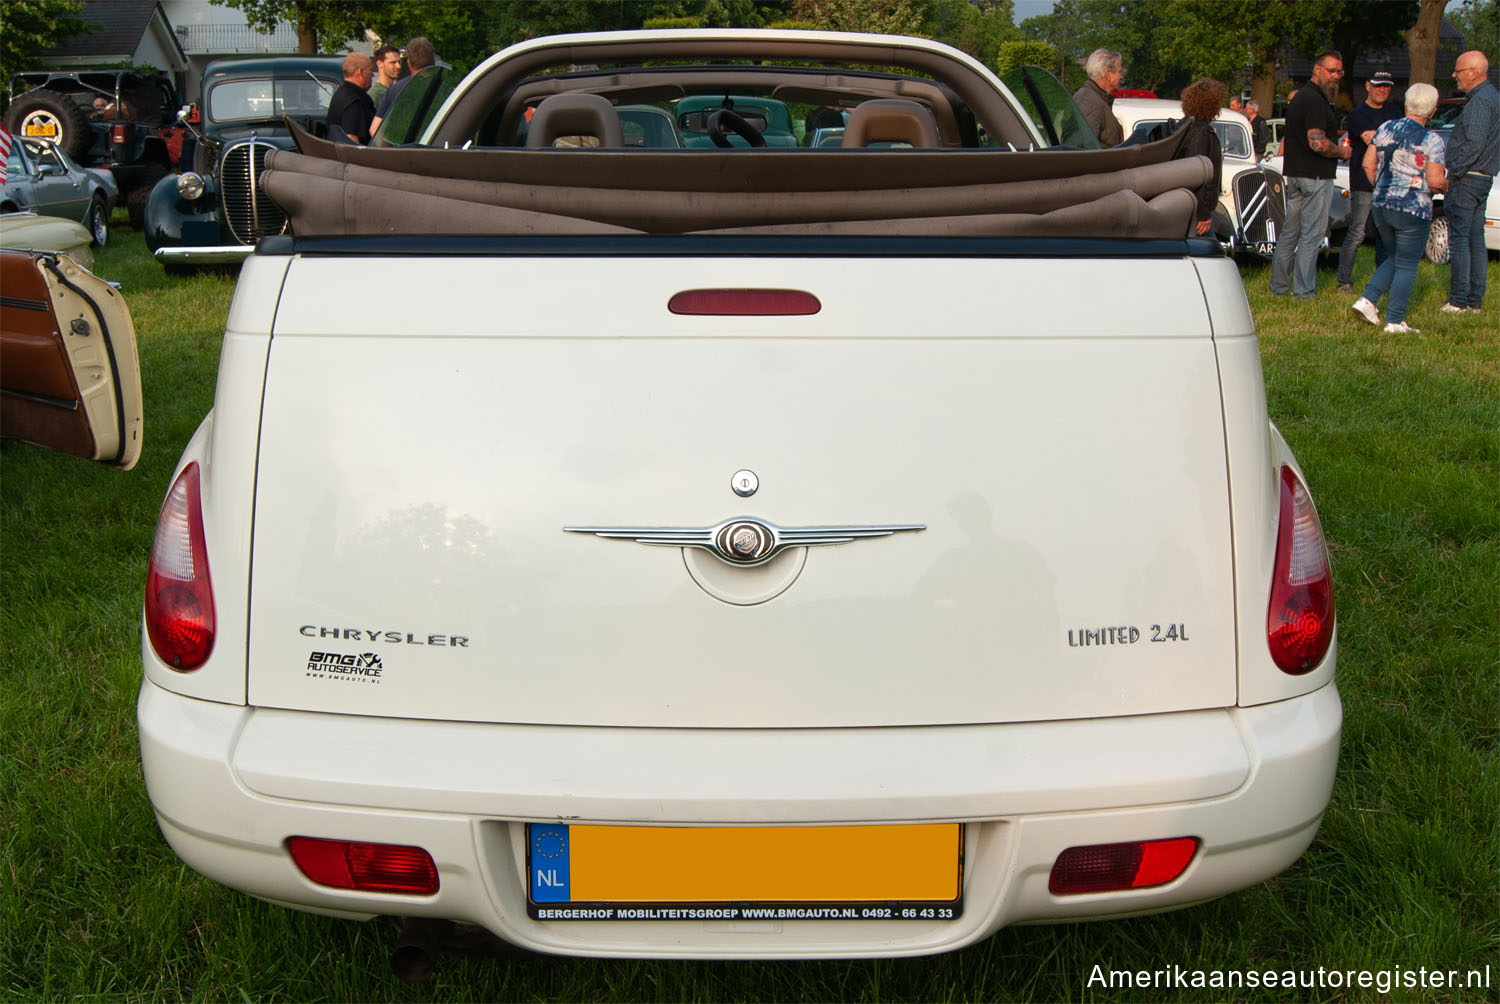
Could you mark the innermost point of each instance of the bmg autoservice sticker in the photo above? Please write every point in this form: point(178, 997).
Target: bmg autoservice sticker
point(364, 668)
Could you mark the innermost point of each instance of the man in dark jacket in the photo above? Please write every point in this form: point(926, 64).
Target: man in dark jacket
point(1094, 99)
point(1258, 135)
point(351, 109)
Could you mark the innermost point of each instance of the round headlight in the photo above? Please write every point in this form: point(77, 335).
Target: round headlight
point(189, 185)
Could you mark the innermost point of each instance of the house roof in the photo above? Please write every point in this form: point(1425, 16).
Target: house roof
point(123, 26)
point(1397, 60)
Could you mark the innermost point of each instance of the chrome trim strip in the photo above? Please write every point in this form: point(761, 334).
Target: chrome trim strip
point(770, 539)
point(204, 255)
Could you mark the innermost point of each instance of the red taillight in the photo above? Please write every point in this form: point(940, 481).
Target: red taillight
point(1299, 622)
point(179, 595)
point(1109, 867)
point(117, 135)
point(744, 302)
point(348, 864)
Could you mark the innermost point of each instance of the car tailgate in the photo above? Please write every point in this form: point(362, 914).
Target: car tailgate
point(1056, 432)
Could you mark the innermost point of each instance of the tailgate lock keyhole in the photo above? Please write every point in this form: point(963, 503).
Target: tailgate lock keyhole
point(744, 483)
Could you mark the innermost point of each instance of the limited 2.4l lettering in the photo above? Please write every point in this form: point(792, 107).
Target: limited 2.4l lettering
point(1126, 634)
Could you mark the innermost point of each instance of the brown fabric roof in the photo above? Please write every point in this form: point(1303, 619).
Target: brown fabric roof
point(337, 190)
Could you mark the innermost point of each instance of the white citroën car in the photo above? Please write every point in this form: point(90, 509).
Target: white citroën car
point(738, 552)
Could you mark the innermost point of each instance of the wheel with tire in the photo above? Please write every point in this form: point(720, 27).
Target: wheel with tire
point(135, 199)
point(97, 222)
point(45, 114)
point(1437, 241)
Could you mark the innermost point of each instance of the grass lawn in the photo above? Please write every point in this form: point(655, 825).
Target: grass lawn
point(1400, 439)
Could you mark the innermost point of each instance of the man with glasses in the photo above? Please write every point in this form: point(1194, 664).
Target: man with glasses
point(1473, 159)
point(1311, 157)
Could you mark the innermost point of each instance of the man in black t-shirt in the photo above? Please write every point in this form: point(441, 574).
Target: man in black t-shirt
point(1311, 156)
point(1377, 109)
point(350, 108)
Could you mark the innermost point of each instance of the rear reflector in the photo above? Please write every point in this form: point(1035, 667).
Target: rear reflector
point(1108, 867)
point(117, 135)
point(347, 864)
point(744, 302)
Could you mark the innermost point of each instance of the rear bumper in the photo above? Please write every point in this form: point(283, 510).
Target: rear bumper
point(230, 784)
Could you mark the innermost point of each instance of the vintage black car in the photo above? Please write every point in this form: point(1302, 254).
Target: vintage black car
point(215, 212)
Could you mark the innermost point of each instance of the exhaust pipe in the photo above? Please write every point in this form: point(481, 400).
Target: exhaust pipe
point(420, 940)
point(417, 947)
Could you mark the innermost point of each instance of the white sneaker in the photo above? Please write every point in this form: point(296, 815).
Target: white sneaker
point(1449, 308)
point(1401, 328)
point(1364, 308)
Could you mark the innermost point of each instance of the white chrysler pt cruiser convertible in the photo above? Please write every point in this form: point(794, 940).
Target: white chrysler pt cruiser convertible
point(745, 551)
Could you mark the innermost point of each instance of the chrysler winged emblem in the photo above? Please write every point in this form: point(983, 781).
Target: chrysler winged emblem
point(744, 540)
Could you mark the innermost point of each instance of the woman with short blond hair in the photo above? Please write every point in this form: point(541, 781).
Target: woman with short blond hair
point(1405, 164)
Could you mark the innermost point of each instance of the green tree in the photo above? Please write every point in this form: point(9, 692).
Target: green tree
point(1479, 20)
point(978, 27)
point(29, 28)
point(1365, 26)
point(512, 21)
point(322, 25)
point(1222, 38)
point(1018, 53)
point(460, 32)
point(1064, 29)
point(884, 17)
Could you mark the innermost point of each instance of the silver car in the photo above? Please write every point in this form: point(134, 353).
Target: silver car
point(41, 178)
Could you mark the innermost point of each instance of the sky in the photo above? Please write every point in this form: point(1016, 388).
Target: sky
point(1031, 8)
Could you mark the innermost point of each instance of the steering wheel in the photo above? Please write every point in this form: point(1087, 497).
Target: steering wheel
point(725, 118)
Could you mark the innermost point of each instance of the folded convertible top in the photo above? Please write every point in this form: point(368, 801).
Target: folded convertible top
point(332, 189)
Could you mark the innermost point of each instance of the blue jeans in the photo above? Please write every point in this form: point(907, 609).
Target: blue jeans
point(1406, 235)
point(1307, 204)
point(1464, 205)
point(1359, 213)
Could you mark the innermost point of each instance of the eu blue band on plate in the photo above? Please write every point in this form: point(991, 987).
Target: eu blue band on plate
point(550, 878)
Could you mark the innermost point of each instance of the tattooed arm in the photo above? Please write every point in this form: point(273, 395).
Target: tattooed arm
point(1319, 143)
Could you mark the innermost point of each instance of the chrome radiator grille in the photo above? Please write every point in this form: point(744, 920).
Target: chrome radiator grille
point(1260, 197)
point(249, 212)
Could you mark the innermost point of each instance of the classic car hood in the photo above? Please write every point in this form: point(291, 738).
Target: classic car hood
point(46, 233)
point(1064, 457)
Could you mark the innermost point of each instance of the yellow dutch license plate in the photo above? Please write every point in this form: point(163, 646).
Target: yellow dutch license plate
point(910, 872)
point(41, 129)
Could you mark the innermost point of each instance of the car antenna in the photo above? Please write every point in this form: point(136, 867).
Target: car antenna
point(320, 82)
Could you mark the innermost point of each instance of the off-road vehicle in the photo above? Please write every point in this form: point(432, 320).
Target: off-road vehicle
point(118, 119)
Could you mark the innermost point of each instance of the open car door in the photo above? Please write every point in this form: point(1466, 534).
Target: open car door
point(69, 377)
point(1051, 107)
